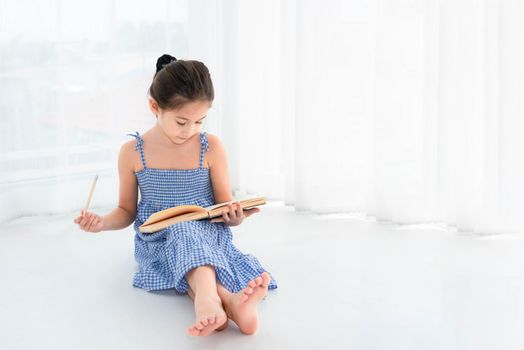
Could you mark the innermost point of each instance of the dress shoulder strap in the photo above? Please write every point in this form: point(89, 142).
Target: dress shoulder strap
point(204, 145)
point(139, 147)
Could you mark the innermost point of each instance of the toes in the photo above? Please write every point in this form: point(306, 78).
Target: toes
point(266, 278)
point(199, 326)
point(193, 331)
point(252, 284)
point(258, 280)
point(207, 325)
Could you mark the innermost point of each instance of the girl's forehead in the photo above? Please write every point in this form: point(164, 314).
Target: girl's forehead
point(191, 111)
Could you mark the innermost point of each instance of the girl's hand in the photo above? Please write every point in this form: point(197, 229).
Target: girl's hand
point(89, 222)
point(233, 215)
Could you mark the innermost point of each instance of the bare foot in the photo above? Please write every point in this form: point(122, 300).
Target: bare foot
point(242, 307)
point(210, 316)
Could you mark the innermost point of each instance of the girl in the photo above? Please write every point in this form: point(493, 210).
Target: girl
point(195, 257)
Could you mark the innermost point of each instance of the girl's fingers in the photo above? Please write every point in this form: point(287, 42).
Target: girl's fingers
point(239, 214)
point(221, 218)
point(85, 220)
point(226, 217)
point(240, 211)
point(236, 214)
point(97, 224)
point(232, 212)
point(90, 223)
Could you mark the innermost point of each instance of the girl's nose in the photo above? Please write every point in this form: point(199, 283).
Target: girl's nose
point(189, 130)
point(194, 128)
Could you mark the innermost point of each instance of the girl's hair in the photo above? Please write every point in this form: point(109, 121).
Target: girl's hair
point(177, 82)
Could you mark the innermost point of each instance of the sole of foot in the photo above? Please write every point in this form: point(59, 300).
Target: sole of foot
point(242, 307)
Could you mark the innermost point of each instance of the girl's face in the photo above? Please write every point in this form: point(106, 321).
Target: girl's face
point(182, 123)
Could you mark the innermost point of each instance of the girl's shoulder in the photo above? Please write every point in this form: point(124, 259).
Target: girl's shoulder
point(212, 140)
point(129, 150)
point(217, 151)
point(128, 155)
point(128, 147)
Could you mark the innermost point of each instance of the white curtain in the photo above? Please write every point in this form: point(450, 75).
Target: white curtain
point(402, 110)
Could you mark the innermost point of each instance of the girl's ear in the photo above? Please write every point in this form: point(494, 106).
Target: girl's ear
point(153, 106)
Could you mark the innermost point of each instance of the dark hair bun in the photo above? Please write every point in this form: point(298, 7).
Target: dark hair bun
point(177, 82)
point(163, 61)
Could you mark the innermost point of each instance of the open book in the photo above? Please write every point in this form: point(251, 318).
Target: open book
point(168, 217)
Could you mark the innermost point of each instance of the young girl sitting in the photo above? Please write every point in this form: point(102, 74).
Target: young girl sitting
point(195, 257)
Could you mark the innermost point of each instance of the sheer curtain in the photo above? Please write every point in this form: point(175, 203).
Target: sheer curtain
point(406, 111)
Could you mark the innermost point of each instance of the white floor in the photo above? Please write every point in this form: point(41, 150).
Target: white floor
point(343, 284)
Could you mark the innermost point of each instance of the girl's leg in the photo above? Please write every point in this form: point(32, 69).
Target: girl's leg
point(209, 312)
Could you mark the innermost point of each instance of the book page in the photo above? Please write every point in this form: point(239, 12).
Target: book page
point(244, 204)
point(235, 199)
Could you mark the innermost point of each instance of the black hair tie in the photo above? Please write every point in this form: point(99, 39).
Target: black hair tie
point(164, 60)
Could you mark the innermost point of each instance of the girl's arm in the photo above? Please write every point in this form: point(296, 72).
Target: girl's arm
point(233, 214)
point(218, 167)
point(125, 213)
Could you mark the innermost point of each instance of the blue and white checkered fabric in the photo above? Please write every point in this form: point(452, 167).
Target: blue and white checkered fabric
point(166, 256)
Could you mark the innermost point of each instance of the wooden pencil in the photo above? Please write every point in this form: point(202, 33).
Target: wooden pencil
point(90, 193)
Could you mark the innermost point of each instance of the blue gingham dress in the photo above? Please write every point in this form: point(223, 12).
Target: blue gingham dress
point(164, 257)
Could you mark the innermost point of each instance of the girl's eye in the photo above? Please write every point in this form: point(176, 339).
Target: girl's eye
point(185, 123)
